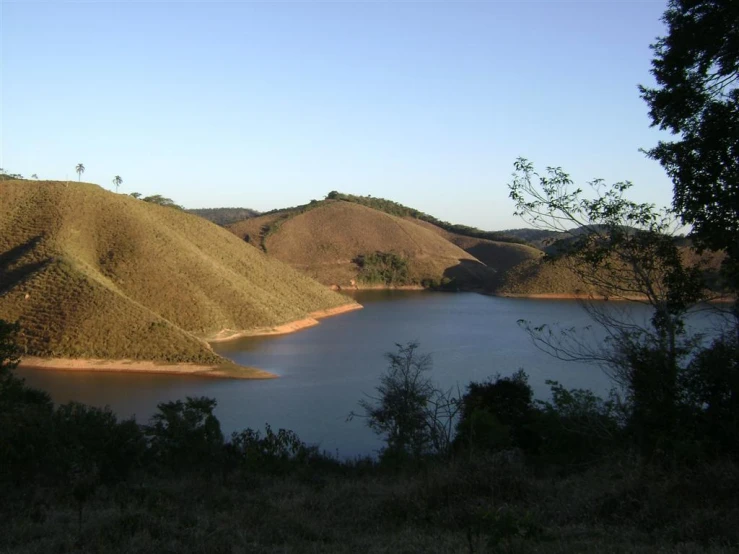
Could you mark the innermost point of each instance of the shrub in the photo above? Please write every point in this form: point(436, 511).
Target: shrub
point(498, 414)
point(385, 268)
point(185, 435)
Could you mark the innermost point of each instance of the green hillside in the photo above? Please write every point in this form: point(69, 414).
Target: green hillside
point(92, 274)
point(338, 242)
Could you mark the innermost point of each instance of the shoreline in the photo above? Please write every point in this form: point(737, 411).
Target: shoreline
point(228, 370)
point(351, 288)
point(600, 298)
point(311, 321)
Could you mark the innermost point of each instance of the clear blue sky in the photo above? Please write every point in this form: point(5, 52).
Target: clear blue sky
point(270, 104)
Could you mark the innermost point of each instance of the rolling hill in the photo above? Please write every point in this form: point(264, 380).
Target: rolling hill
point(92, 274)
point(336, 241)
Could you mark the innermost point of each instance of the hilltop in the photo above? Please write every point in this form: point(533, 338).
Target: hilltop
point(339, 243)
point(92, 274)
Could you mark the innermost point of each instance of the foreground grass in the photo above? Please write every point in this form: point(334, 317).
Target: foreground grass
point(487, 505)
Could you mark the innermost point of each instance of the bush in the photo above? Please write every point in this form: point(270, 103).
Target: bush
point(710, 392)
point(273, 452)
point(498, 414)
point(577, 426)
point(385, 268)
point(185, 435)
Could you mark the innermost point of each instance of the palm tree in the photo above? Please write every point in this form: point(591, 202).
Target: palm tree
point(80, 169)
point(117, 182)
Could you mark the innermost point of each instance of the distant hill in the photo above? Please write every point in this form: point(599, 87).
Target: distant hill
point(538, 238)
point(340, 242)
point(92, 274)
point(224, 216)
point(394, 208)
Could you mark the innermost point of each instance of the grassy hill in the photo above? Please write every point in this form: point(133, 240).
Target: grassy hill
point(92, 274)
point(334, 241)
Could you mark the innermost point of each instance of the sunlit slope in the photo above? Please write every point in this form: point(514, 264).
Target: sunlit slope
point(89, 273)
point(325, 240)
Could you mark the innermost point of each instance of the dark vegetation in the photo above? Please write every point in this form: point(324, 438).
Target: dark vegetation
point(382, 268)
point(224, 216)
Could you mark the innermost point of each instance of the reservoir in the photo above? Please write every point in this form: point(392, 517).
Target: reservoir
point(325, 370)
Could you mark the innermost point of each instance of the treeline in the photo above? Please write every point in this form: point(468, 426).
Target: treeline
point(399, 210)
point(224, 216)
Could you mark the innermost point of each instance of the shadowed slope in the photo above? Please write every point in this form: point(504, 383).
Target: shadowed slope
point(497, 255)
point(89, 273)
point(325, 239)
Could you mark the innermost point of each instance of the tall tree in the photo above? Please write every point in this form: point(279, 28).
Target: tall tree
point(117, 182)
point(80, 169)
point(696, 66)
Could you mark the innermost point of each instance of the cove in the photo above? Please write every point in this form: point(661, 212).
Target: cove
point(325, 370)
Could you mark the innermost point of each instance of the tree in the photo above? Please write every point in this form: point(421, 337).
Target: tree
point(117, 181)
point(80, 169)
point(414, 417)
point(34, 176)
point(625, 250)
point(162, 201)
point(696, 66)
point(136, 195)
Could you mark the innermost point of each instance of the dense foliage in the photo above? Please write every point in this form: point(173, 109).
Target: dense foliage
point(696, 66)
point(224, 216)
point(383, 268)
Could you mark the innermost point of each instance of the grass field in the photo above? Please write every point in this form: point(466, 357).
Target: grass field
point(483, 506)
point(92, 274)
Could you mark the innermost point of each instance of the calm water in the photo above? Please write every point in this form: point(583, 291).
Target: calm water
point(326, 369)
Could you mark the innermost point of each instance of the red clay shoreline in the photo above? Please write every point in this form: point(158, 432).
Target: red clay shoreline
point(225, 370)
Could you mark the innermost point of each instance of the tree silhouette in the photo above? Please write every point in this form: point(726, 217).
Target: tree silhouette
point(696, 66)
point(117, 182)
point(34, 176)
point(80, 169)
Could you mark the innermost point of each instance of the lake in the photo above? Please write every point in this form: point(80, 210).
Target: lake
point(325, 370)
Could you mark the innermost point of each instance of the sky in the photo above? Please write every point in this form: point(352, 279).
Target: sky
point(272, 104)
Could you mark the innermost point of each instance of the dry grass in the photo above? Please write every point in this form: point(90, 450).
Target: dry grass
point(324, 241)
point(89, 273)
point(476, 507)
